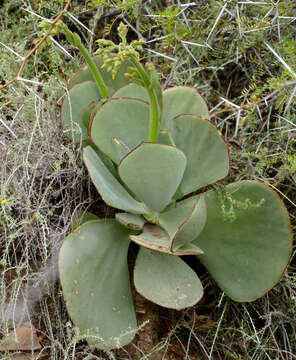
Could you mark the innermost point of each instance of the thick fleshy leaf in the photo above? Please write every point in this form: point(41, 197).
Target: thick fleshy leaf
point(124, 119)
point(182, 100)
point(119, 147)
point(84, 74)
point(188, 249)
point(87, 112)
point(153, 173)
point(136, 91)
point(112, 192)
point(205, 149)
point(153, 237)
point(106, 160)
point(132, 91)
point(80, 96)
point(166, 280)
point(96, 286)
point(156, 238)
point(185, 221)
point(131, 221)
point(165, 137)
point(247, 256)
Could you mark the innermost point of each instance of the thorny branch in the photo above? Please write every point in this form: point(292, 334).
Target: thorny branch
point(264, 99)
point(36, 47)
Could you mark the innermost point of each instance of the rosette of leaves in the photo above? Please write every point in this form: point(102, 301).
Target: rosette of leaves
point(241, 233)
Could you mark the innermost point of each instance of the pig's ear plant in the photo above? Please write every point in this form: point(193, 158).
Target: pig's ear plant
point(149, 154)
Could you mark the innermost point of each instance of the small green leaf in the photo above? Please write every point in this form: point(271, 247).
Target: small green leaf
point(96, 286)
point(112, 192)
point(182, 100)
point(124, 119)
point(247, 254)
point(166, 280)
point(131, 221)
point(206, 151)
point(153, 173)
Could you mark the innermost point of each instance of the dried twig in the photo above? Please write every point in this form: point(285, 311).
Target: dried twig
point(26, 58)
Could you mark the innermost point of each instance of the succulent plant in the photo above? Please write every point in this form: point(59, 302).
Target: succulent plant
point(153, 172)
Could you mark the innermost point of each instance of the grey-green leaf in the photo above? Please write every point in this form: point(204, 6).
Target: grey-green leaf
point(205, 149)
point(188, 249)
point(112, 192)
point(153, 173)
point(124, 119)
point(96, 286)
point(165, 137)
point(80, 96)
point(86, 113)
point(132, 91)
point(106, 160)
point(131, 221)
point(185, 221)
point(247, 256)
point(153, 237)
point(166, 280)
point(119, 147)
point(156, 238)
point(182, 100)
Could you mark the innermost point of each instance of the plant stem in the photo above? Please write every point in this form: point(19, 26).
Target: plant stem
point(75, 40)
point(154, 116)
point(154, 109)
point(95, 71)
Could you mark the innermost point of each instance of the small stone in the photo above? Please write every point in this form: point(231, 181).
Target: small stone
point(24, 338)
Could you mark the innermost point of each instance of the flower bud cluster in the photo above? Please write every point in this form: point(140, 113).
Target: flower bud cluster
point(114, 54)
